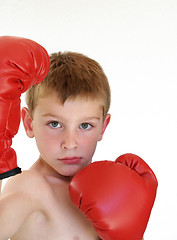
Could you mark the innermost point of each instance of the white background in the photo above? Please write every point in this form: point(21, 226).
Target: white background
point(135, 41)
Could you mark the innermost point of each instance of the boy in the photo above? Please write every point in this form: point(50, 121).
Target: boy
point(67, 115)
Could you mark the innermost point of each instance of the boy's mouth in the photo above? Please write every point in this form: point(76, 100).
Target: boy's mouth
point(71, 160)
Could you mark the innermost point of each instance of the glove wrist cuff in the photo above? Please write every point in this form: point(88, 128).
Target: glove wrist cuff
point(10, 173)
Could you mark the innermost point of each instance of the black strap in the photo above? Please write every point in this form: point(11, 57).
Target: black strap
point(10, 173)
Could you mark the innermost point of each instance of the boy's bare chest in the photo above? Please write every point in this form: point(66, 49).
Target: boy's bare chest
point(59, 220)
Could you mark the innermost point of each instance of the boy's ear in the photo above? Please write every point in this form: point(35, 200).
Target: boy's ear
point(27, 122)
point(105, 124)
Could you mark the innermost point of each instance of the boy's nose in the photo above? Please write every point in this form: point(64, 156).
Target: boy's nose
point(69, 141)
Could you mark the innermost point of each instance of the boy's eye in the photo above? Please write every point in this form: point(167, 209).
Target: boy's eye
point(55, 124)
point(85, 126)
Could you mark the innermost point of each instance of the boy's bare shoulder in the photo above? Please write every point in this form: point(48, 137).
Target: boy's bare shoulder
point(29, 183)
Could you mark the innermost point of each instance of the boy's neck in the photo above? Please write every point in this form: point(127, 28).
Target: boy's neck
point(48, 172)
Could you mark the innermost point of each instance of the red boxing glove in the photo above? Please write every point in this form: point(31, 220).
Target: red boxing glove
point(116, 197)
point(23, 63)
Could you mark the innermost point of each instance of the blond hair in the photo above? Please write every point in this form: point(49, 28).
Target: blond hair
point(71, 75)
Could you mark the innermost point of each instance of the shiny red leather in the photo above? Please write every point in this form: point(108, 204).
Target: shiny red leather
point(116, 197)
point(23, 63)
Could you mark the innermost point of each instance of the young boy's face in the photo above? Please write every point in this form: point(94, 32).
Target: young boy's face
point(66, 135)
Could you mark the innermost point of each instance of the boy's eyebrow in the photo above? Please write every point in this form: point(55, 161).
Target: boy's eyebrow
point(48, 115)
point(91, 118)
point(55, 116)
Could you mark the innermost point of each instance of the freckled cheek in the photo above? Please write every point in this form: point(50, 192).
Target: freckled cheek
point(88, 145)
point(45, 142)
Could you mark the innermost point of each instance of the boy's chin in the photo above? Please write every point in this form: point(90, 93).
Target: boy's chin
point(70, 173)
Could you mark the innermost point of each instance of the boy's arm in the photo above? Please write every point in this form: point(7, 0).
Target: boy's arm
point(0, 186)
point(14, 209)
point(18, 201)
point(23, 63)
